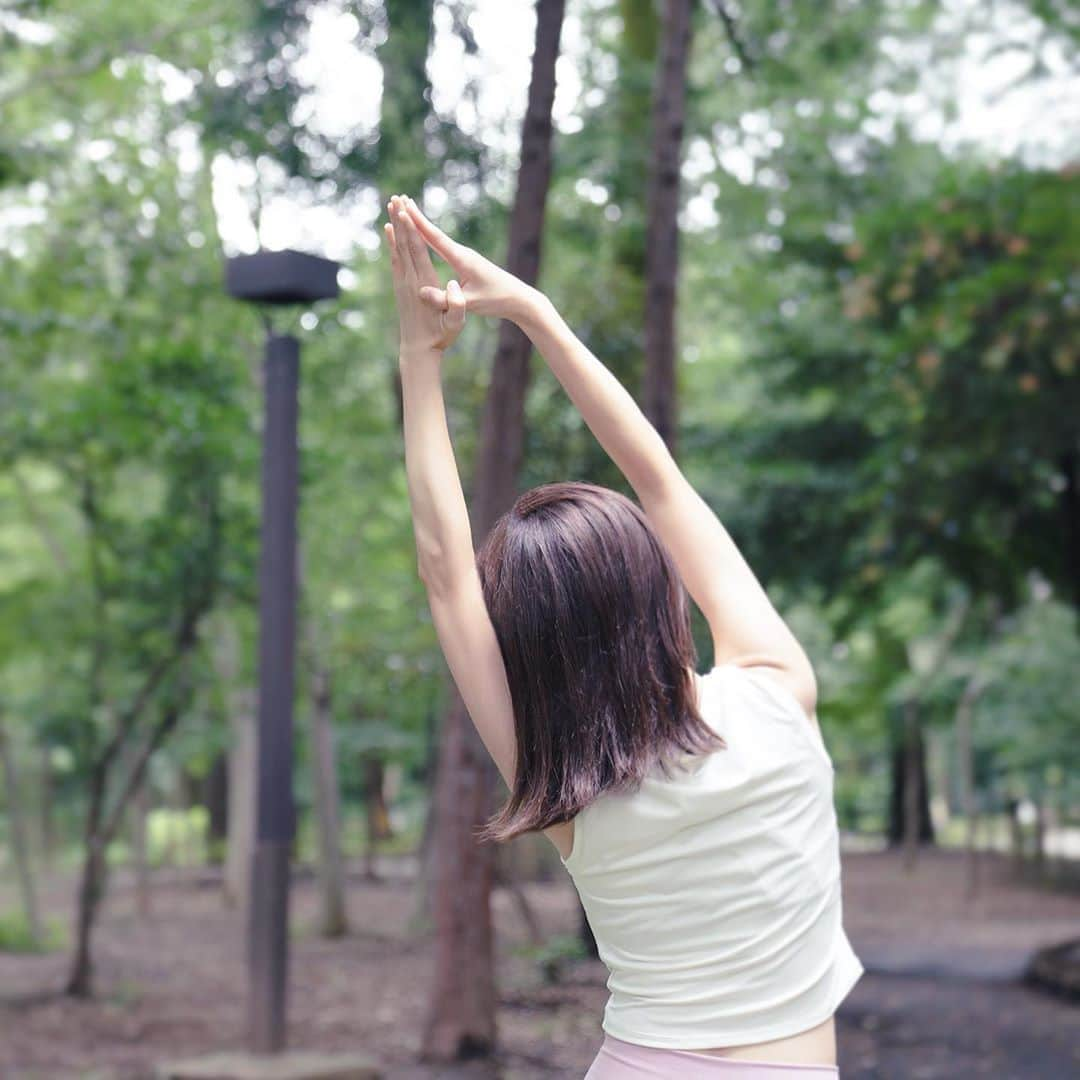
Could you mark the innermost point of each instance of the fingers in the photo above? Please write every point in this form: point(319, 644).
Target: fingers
point(433, 297)
point(418, 251)
point(400, 248)
point(395, 259)
point(442, 243)
point(454, 319)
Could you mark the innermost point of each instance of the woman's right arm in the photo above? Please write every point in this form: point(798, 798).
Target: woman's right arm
point(746, 627)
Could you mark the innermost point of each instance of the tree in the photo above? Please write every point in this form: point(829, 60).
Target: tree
point(461, 1012)
point(662, 237)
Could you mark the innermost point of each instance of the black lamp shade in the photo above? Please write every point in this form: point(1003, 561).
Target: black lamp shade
point(281, 277)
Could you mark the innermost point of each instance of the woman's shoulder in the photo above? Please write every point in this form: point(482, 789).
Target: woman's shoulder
point(776, 689)
point(795, 684)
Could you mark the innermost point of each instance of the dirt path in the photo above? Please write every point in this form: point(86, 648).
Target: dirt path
point(173, 985)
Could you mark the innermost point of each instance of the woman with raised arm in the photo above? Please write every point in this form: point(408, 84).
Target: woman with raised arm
point(694, 812)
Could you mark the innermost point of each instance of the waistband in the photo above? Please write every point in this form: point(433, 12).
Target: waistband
point(618, 1058)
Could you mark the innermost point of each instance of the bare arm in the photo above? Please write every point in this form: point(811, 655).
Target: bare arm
point(444, 545)
point(746, 628)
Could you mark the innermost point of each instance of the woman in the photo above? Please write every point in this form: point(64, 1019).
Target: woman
point(694, 813)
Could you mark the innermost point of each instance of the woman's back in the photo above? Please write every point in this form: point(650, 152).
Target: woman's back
point(714, 893)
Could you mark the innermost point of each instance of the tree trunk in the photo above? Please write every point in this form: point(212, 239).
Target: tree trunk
point(47, 815)
point(662, 235)
point(461, 1010)
point(1016, 835)
point(634, 94)
point(915, 777)
point(216, 800)
point(508, 876)
point(140, 808)
point(966, 754)
point(618, 338)
point(91, 888)
point(20, 846)
point(333, 920)
point(406, 107)
point(460, 1023)
point(1039, 852)
point(422, 917)
point(908, 761)
point(176, 848)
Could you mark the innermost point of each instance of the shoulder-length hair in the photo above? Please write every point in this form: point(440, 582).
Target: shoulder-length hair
point(593, 622)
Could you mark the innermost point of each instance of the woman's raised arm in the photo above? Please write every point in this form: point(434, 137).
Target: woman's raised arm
point(445, 559)
point(746, 627)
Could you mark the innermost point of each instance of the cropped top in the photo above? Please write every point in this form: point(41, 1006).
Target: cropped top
point(714, 893)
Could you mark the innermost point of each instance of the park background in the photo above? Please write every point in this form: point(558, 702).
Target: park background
point(871, 376)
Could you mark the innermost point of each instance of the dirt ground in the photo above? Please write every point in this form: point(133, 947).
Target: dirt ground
point(941, 997)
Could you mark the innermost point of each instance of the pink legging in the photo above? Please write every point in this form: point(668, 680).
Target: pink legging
point(619, 1060)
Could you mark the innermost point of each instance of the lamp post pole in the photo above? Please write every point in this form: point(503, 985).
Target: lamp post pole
point(276, 278)
point(275, 814)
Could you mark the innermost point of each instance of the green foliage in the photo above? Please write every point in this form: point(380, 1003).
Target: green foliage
point(878, 379)
point(15, 935)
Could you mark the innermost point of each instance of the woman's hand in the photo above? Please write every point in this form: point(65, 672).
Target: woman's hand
point(488, 288)
point(423, 327)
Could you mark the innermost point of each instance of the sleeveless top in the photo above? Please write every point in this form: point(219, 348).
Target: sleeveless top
point(714, 894)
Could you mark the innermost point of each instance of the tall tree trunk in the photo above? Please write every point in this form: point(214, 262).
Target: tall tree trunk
point(461, 1011)
point(634, 95)
point(966, 753)
point(406, 106)
point(422, 917)
point(140, 813)
point(662, 236)
point(460, 1022)
point(216, 801)
point(333, 920)
point(618, 338)
point(47, 814)
point(103, 823)
point(91, 888)
point(908, 762)
point(910, 822)
point(20, 841)
point(1016, 834)
point(915, 775)
point(1039, 838)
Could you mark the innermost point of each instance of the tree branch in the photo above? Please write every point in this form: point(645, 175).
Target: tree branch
point(731, 29)
point(131, 785)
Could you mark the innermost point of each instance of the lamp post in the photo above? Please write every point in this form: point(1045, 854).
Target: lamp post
point(275, 278)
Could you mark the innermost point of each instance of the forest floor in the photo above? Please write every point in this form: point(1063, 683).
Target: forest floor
point(941, 997)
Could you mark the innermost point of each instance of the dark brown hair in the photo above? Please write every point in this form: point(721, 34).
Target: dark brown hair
point(593, 623)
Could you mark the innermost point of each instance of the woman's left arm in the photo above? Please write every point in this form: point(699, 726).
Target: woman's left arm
point(446, 560)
